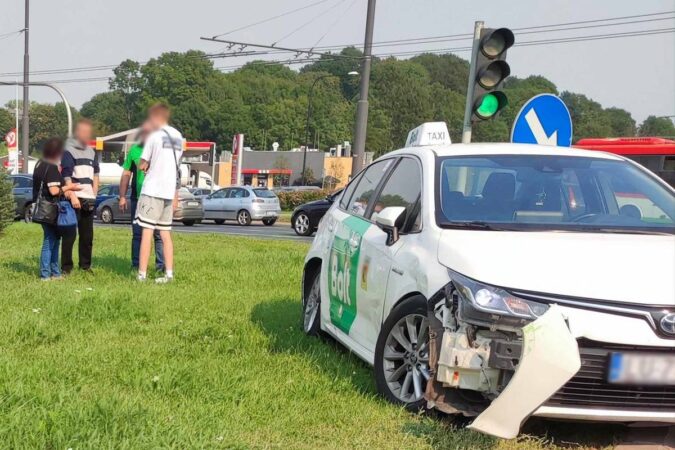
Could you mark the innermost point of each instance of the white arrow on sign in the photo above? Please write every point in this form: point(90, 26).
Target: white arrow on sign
point(538, 130)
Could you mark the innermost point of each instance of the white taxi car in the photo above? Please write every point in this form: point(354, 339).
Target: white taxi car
point(502, 281)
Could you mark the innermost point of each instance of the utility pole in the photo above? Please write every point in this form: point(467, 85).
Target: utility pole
point(362, 106)
point(26, 101)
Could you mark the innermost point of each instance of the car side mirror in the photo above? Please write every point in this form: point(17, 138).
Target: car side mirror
point(387, 220)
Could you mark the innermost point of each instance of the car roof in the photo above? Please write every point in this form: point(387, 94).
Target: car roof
point(503, 149)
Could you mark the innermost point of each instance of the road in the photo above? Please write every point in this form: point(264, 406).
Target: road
point(279, 231)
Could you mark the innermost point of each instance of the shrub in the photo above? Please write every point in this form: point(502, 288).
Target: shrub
point(291, 200)
point(7, 209)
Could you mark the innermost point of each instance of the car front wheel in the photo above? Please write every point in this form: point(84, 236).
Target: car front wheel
point(402, 354)
point(188, 223)
point(269, 222)
point(219, 221)
point(301, 224)
point(310, 307)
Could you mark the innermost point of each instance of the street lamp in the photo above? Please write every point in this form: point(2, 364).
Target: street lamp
point(309, 115)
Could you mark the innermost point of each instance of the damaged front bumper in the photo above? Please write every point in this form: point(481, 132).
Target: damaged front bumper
point(487, 366)
point(549, 359)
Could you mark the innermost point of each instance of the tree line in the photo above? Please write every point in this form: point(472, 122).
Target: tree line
point(268, 102)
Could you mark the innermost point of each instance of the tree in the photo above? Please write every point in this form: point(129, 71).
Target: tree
point(7, 206)
point(6, 122)
point(621, 121)
point(657, 126)
point(109, 113)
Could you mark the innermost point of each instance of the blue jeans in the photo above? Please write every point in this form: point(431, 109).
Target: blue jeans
point(137, 231)
point(49, 257)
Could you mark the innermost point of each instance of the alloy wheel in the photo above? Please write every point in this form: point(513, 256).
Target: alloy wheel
point(311, 307)
point(301, 223)
point(406, 358)
point(243, 218)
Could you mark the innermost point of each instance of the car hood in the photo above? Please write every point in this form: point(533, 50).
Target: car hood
point(315, 203)
point(615, 267)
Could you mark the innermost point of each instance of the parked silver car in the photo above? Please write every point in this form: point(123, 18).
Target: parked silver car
point(243, 204)
point(189, 210)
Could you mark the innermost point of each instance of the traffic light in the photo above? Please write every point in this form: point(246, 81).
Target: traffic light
point(491, 69)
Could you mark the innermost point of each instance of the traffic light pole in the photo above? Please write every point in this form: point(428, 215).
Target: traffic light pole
point(468, 110)
point(362, 106)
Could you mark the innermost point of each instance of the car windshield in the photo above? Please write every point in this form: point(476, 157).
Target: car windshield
point(520, 192)
point(264, 193)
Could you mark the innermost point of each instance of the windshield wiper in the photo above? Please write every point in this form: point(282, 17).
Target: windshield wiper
point(476, 225)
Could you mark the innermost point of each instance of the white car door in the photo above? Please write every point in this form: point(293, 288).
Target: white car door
point(355, 276)
point(214, 205)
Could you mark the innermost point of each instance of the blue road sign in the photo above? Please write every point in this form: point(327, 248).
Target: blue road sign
point(543, 120)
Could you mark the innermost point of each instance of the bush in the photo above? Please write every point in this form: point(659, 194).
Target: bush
point(7, 209)
point(291, 200)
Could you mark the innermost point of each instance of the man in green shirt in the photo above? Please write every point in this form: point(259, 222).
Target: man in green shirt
point(133, 173)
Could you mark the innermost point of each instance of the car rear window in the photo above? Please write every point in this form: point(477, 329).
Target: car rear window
point(264, 193)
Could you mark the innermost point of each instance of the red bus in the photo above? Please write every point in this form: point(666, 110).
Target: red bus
point(656, 154)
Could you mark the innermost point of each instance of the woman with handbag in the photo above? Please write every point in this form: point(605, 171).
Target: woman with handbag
point(48, 187)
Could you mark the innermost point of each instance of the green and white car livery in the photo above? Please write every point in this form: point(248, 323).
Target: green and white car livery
point(492, 280)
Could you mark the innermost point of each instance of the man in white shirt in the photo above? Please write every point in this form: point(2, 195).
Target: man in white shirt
point(160, 161)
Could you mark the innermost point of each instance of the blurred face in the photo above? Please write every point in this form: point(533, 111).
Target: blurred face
point(83, 132)
point(157, 119)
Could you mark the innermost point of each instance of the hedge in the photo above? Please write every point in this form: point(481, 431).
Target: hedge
point(291, 200)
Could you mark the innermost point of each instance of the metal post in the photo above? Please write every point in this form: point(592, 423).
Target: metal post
point(213, 169)
point(69, 113)
point(362, 105)
point(468, 110)
point(26, 101)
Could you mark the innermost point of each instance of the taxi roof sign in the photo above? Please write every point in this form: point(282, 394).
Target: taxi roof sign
point(430, 133)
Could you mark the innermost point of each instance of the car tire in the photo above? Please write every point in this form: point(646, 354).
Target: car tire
point(107, 215)
point(269, 222)
point(401, 362)
point(311, 306)
point(219, 221)
point(301, 224)
point(188, 223)
point(244, 217)
point(28, 213)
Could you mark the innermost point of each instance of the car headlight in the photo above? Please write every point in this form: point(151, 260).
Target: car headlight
point(494, 300)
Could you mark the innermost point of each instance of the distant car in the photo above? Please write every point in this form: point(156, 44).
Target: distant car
point(305, 218)
point(189, 211)
point(23, 195)
point(242, 204)
point(106, 192)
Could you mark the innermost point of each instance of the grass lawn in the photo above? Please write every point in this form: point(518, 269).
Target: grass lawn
point(215, 360)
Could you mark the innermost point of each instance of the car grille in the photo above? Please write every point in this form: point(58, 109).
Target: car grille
point(589, 387)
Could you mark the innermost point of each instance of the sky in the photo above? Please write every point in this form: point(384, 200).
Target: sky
point(634, 73)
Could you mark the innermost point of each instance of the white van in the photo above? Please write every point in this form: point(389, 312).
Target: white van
point(500, 281)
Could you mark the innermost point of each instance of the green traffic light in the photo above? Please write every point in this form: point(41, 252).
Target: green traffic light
point(489, 105)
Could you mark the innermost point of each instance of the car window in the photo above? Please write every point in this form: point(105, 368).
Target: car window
point(22, 182)
point(115, 190)
point(349, 190)
point(264, 193)
point(105, 190)
point(220, 194)
point(403, 188)
point(237, 193)
point(364, 193)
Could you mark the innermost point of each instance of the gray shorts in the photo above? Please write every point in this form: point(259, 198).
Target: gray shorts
point(154, 213)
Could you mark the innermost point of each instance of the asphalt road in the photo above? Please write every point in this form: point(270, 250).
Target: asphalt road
point(257, 230)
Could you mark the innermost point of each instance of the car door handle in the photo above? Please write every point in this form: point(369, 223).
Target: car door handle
point(330, 226)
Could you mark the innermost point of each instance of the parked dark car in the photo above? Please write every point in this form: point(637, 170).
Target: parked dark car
point(105, 192)
point(23, 195)
point(305, 218)
point(189, 211)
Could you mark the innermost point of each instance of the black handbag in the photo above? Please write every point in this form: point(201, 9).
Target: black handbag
point(44, 211)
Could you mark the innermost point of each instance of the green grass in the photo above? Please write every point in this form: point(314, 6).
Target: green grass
point(215, 360)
